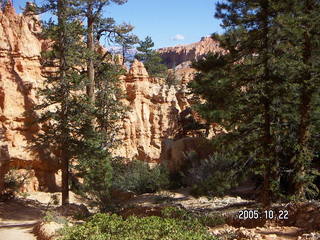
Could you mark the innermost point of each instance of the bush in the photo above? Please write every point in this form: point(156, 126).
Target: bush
point(113, 227)
point(152, 60)
point(52, 216)
point(172, 79)
point(213, 176)
point(139, 177)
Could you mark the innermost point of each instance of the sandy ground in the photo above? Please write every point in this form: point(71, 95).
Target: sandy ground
point(226, 204)
point(18, 216)
point(17, 219)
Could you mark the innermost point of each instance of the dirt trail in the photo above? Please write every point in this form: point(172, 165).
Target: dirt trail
point(17, 219)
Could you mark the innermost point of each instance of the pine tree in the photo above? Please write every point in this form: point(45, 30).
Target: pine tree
point(300, 26)
point(103, 75)
point(145, 47)
point(264, 90)
point(126, 43)
point(95, 164)
point(151, 59)
point(241, 87)
point(68, 110)
point(62, 118)
point(102, 114)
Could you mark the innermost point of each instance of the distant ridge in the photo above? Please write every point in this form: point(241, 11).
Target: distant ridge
point(174, 56)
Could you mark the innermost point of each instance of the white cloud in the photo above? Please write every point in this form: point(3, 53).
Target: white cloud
point(178, 37)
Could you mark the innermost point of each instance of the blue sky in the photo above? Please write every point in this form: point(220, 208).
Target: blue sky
point(168, 22)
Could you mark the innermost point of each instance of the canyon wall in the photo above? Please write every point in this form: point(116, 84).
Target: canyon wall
point(20, 76)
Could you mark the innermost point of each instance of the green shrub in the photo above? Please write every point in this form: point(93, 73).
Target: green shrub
point(173, 79)
point(113, 227)
point(213, 176)
point(139, 177)
point(52, 216)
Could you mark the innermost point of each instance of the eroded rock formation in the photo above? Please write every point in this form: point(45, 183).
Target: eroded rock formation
point(153, 116)
point(20, 76)
point(154, 129)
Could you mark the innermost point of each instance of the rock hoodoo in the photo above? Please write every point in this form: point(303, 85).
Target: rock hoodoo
point(153, 116)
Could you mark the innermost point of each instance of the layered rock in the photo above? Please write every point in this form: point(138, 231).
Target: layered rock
point(153, 116)
point(184, 54)
point(20, 76)
point(154, 129)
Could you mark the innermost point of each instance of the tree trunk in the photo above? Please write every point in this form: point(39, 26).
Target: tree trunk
point(63, 115)
point(267, 140)
point(65, 180)
point(266, 191)
point(303, 155)
point(91, 47)
point(4, 165)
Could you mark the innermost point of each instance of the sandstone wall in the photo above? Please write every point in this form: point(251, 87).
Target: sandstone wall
point(20, 75)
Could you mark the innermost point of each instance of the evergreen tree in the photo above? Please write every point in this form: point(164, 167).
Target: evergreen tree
point(104, 93)
point(263, 90)
point(299, 25)
point(78, 127)
point(242, 87)
point(126, 43)
point(151, 59)
point(145, 47)
point(97, 26)
point(61, 117)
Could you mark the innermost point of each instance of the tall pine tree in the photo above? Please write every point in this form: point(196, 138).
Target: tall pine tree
point(96, 26)
point(264, 90)
point(61, 115)
point(300, 36)
point(241, 87)
point(78, 120)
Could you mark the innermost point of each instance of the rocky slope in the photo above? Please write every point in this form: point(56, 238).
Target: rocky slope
point(182, 54)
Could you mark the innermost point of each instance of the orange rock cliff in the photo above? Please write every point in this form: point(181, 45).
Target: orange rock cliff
point(20, 76)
